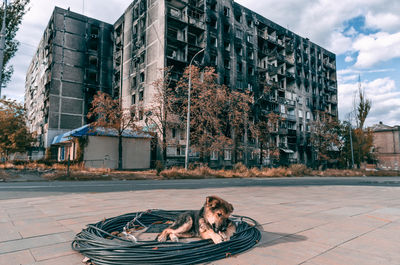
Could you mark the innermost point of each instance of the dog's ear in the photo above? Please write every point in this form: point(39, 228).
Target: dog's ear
point(230, 207)
point(211, 201)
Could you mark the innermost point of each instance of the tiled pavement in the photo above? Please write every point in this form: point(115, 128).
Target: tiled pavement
point(302, 225)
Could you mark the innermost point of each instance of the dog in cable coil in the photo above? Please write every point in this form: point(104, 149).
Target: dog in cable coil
point(210, 222)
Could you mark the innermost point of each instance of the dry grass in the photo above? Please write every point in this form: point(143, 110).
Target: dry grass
point(240, 171)
point(48, 171)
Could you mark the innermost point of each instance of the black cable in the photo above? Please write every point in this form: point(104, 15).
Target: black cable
point(98, 244)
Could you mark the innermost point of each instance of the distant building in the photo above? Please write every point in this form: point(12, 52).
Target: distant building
point(72, 63)
point(387, 146)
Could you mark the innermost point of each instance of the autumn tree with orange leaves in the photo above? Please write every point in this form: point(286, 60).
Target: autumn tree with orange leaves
point(14, 134)
point(217, 113)
point(108, 113)
point(325, 138)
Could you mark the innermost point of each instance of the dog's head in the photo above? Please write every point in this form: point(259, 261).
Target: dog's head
point(217, 212)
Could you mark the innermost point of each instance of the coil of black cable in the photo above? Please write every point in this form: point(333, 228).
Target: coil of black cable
point(103, 248)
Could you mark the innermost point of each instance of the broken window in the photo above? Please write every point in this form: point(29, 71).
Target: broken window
point(227, 46)
point(213, 6)
point(93, 45)
point(213, 59)
point(227, 63)
point(251, 70)
point(239, 67)
point(226, 11)
point(91, 77)
point(250, 54)
point(226, 28)
point(249, 39)
point(213, 42)
point(141, 95)
point(249, 23)
point(238, 17)
point(239, 51)
point(213, 23)
point(94, 31)
point(93, 61)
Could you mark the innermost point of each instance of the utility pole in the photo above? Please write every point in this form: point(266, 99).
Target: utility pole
point(351, 142)
point(2, 43)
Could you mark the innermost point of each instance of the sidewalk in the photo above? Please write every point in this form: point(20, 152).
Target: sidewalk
point(303, 225)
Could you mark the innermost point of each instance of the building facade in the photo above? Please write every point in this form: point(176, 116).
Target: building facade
point(387, 146)
point(72, 63)
point(285, 73)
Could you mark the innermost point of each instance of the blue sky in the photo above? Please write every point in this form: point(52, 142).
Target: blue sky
point(364, 34)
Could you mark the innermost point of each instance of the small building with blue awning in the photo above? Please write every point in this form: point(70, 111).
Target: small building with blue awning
point(98, 147)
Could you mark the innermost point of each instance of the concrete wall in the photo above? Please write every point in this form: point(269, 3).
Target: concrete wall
point(102, 151)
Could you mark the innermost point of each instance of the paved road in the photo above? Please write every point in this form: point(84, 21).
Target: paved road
point(37, 189)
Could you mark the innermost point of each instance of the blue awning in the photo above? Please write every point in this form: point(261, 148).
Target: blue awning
point(99, 131)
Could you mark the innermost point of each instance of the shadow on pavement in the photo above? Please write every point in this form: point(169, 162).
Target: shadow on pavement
point(271, 238)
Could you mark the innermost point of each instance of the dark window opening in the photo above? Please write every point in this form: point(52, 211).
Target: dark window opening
point(141, 77)
point(226, 11)
point(227, 63)
point(94, 31)
point(93, 45)
point(133, 99)
point(93, 61)
point(141, 95)
point(213, 23)
point(91, 77)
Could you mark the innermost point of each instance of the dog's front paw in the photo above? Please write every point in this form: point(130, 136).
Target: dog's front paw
point(217, 239)
point(161, 238)
point(174, 238)
point(224, 236)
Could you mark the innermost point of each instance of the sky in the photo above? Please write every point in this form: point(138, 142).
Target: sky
point(364, 35)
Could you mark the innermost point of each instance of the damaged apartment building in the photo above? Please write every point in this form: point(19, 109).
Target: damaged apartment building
point(72, 62)
point(286, 73)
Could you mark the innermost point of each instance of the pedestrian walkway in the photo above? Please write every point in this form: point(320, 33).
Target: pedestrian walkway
point(301, 225)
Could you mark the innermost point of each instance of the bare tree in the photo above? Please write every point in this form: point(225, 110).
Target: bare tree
point(159, 113)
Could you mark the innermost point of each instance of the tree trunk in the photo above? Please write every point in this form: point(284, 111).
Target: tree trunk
point(120, 151)
point(164, 146)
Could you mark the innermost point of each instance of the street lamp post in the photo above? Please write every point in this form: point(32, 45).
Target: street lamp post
point(188, 111)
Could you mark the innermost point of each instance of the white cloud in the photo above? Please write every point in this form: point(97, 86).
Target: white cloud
point(339, 43)
point(376, 48)
point(348, 59)
point(383, 21)
point(385, 97)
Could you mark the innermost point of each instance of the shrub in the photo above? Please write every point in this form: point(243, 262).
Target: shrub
point(299, 170)
point(240, 168)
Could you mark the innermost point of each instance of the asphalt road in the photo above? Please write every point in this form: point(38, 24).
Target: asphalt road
point(11, 190)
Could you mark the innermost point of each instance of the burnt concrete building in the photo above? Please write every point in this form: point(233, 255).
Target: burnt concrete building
point(73, 61)
point(286, 73)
